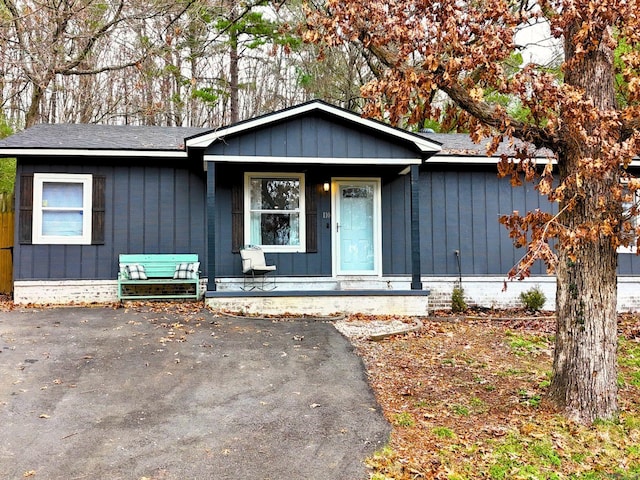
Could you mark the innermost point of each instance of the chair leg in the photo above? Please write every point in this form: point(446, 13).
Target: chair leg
point(262, 283)
point(244, 282)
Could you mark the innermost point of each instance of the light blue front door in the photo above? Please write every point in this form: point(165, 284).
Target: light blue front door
point(356, 226)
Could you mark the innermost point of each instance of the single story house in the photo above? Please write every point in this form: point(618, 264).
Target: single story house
point(355, 215)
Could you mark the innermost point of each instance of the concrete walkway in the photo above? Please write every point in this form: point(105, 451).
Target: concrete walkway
point(90, 393)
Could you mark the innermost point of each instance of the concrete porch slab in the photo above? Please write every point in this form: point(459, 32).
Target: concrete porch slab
point(322, 302)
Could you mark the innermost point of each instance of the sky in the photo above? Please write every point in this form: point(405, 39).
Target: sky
point(539, 46)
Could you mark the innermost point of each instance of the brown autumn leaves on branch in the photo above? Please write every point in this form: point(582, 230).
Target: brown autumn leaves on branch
point(463, 49)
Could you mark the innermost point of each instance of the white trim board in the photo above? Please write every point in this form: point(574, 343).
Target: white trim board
point(313, 160)
point(71, 152)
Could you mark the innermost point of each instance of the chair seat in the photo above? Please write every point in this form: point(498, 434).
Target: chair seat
point(263, 268)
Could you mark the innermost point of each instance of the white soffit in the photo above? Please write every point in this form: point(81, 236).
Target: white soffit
point(479, 160)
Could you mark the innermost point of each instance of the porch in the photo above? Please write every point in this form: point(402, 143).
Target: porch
point(322, 296)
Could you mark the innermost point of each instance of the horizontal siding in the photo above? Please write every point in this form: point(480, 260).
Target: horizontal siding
point(151, 207)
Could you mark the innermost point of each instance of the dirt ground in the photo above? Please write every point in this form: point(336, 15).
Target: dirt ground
point(180, 393)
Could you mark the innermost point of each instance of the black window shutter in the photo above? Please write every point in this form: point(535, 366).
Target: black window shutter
point(98, 210)
point(25, 220)
point(237, 217)
point(311, 220)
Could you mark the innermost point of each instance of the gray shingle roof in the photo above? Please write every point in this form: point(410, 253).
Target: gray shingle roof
point(101, 137)
point(172, 139)
point(460, 144)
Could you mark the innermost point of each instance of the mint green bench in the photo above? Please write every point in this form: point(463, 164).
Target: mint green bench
point(158, 276)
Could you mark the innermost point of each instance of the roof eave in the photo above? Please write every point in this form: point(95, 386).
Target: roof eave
point(81, 152)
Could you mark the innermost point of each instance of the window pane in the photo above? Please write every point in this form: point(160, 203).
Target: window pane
point(275, 193)
point(63, 224)
point(275, 229)
point(56, 194)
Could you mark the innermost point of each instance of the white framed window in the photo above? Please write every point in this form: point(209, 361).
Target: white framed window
point(274, 216)
point(62, 208)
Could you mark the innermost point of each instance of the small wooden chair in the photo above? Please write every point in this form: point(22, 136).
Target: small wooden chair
point(254, 266)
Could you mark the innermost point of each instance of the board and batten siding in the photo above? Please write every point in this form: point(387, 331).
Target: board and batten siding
point(460, 211)
point(151, 206)
point(395, 220)
point(228, 263)
point(310, 136)
point(396, 227)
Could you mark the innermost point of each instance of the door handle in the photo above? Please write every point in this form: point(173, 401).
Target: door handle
point(337, 227)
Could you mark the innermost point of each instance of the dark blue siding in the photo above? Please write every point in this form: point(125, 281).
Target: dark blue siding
point(289, 264)
point(459, 211)
point(311, 136)
point(395, 220)
point(152, 206)
point(396, 232)
point(158, 206)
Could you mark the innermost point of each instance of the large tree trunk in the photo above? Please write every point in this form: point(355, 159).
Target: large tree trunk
point(584, 380)
point(584, 366)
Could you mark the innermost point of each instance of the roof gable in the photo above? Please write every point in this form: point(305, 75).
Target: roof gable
point(421, 144)
point(313, 137)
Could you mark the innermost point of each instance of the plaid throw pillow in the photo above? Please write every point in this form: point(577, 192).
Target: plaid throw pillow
point(136, 272)
point(186, 271)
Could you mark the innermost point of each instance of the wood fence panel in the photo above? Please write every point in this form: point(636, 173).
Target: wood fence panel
point(6, 244)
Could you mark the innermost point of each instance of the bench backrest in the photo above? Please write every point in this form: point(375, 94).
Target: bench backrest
point(161, 265)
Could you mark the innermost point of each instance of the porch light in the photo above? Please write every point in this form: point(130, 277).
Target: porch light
point(326, 186)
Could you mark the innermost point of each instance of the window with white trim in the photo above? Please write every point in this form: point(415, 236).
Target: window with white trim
point(275, 211)
point(62, 208)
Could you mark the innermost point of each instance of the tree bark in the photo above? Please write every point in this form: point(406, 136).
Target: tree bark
point(33, 113)
point(584, 380)
point(234, 83)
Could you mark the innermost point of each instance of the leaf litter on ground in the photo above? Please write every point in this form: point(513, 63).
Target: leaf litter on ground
point(466, 396)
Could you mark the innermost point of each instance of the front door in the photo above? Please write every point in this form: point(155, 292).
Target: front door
point(356, 226)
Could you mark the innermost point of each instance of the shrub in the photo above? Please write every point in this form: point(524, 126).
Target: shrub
point(533, 299)
point(457, 300)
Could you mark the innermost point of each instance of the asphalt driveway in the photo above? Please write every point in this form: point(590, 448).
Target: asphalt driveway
point(89, 393)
